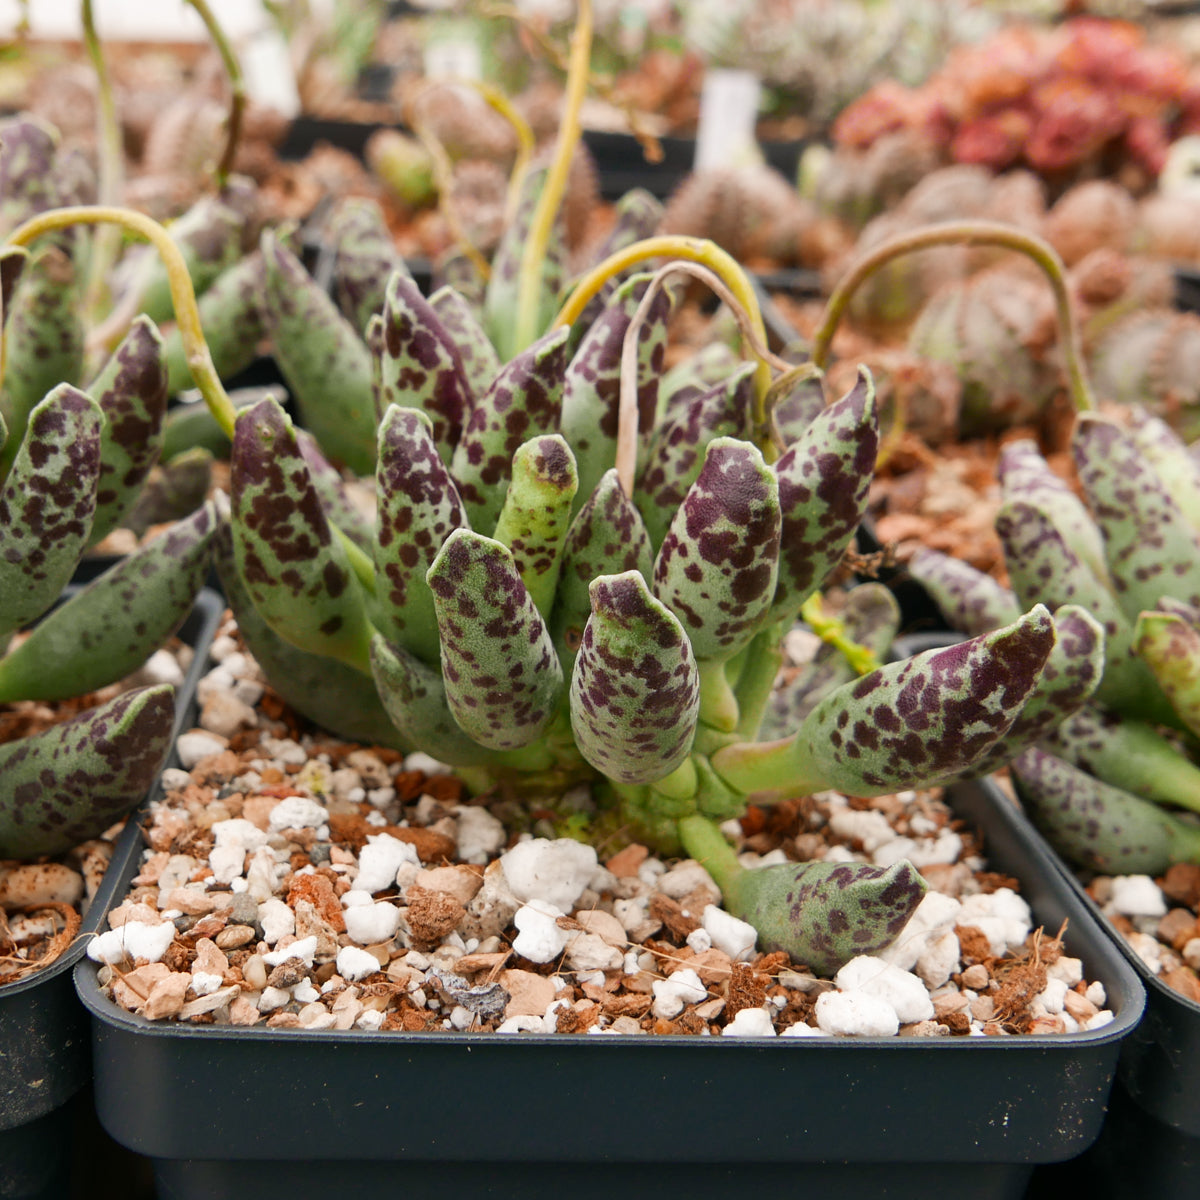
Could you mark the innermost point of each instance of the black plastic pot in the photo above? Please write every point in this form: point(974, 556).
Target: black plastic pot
point(222, 1109)
point(45, 1053)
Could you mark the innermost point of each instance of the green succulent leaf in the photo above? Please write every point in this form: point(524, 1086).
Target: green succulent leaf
point(503, 679)
point(709, 367)
point(71, 782)
point(28, 147)
point(294, 568)
point(340, 509)
point(480, 362)
point(1169, 456)
point(172, 490)
point(969, 599)
point(1170, 646)
point(718, 565)
point(364, 258)
point(13, 260)
point(635, 686)
point(636, 216)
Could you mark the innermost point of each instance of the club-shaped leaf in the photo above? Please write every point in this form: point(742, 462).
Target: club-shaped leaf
point(636, 215)
point(132, 393)
point(523, 401)
point(46, 505)
point(537, 513)
point(364, 258)
point(421, 366)
point(1152, 549)
point(823, 479)
point(709, 366)
point(13, 260)
point(171, 491)
point(191, 424)
point(677, 451)
point(72, 781)
point(326, 365)
point(635, 687)
point(1170, 647)
point(503, 680)
point(294, 567)
point(480, 362)
point(110, 628)
point(1095, 825)
point(27, 150)
point(718, 565)
point(418, 508)
point(348, 516)
point(606, 537)
point(969, 599)
point(1168, 454)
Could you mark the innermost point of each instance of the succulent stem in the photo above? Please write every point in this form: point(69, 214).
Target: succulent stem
point(833, 632)
point(760, 666)
point(718, 704)
point(971, 233)
point(705, 842)
point(183, 295)
point(782, 766)
point(549, 201)
point(237, 89)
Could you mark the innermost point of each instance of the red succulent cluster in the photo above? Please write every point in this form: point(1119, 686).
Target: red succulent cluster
point(1053, 99)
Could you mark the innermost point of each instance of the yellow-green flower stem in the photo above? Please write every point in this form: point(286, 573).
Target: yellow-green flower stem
point(183, 295)
point(831, 631)
point(526, 142)
point(569, 132)
point(237, 88)
point(698, 250)
point(976, 233)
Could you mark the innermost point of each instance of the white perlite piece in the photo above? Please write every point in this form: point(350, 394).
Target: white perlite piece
point(728, 933)
point(750, 1022)
point(869, 826)
point(1136, 896)
point(305, 949)
point(904, 993)
point(479, 834)
point(132, 941)
point(554, 871)
point(1002, 916)
point(277, 920)
point(379, 861)
point(855, 1014)
point(372, 922)
point(539, 937)
point(297, 812)
point(673, 994)
point(354, 964)
point(194, 745)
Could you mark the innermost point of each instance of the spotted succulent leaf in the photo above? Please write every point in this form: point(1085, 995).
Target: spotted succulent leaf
point(636, 215)
point(364, 258)
point(710, 366)
point(503, 679)
point(171, 491)
point(969, 599)
point(1168, 455)
point(28, 147)
point(1170, 646)
point(72, 781)
point(481, 364)
point(13, 260)
point(340, 509)
point(635, 686)
point(718, 565)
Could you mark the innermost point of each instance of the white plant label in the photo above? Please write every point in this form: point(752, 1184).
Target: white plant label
point(728, 114)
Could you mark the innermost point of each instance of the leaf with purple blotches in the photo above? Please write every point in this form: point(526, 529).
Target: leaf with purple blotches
point(1170, 646)
point(131, 391)
point(870, 618)
point(294, 568)
point(824, 913)
point(420, 366)
point(798, 408)
point(824, 477)
point(46, 505)
point(1152, 549)
point(414, 697)
point(503, 679)
point(373, 336)
point(708, 367)
point(718, 565)
point(107, 630)
point(13, 260)
point(418, 508)
point(172, 490)
point(537, 513)
point(72, 781)
point(1168, 455)
point(1097, 826)
point(456, 270)
point(1025, 476)
point(636, 216)
point(364, 257)
point(635, 686)
point(676, 453)
point(969, 599)
point(341, 510)
point(326, 366)
point(523, 401)
point(480, 362)
point(28, 146)
point(606, 537)
point(592, 387)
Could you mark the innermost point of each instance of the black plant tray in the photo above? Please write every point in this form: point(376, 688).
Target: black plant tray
point(44, 1046)
point(222, 1108)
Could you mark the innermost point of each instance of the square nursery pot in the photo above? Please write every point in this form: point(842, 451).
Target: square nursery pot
point(222, 1110)
point(45, 1056)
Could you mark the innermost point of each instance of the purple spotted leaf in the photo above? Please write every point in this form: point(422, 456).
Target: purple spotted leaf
point(870, 617)
point(172, 490)
point(710, 366)
point(1168, 455)
point(131, 391)
point(47, 504)
point(592, 387)
point(113, 625)
point(414, 696)
point(44, 341)
point(481, 364)
point(676, 453)
point(606, 537)
point(340, 508)
point(373, 336)
point(823, 913)
point(455, 270)
point(503, 680)
point(1152, 549)
point(326, 366)
point(333, 695)
point(718, 565)
point(1097, 826)
point(72, 781)
point(418, 508)
point(969, 599)
point(523, 401)
point(364, 257)
point(636, 216)
point(293, 566)
point(635, 686)
point(421, 366)
point(13, 260)
point(537, 513)
point(231, 317)
point(823, 479)
point(1170, 646)
point(28, 147)
point(798, 408)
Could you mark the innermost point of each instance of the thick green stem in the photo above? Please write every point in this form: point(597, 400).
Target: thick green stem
point(704, 841)
point(970, 233)
point(718, 704)
point(569, 132)
point(781, 766)
point(759, 669)
point(237, 89)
